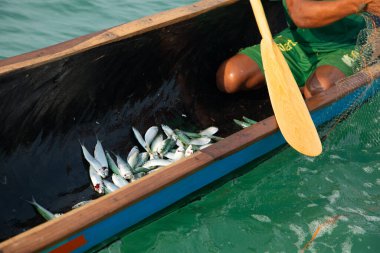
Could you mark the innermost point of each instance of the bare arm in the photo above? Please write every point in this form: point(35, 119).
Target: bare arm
point(312, 14)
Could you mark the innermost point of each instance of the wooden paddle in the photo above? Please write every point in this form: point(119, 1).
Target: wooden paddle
point(292, 115)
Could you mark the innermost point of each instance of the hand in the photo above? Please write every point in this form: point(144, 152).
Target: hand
point(373, 7)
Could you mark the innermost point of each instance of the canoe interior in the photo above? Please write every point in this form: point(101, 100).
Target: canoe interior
point(165, 76)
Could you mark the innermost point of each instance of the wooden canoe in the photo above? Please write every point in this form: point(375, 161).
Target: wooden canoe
point(156, 70)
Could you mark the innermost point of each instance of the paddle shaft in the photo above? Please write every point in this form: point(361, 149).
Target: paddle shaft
point(261, 19)
point(289, 107)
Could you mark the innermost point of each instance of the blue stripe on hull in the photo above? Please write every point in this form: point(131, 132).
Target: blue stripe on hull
point(162, 199)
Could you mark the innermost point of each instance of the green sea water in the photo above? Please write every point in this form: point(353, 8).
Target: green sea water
point(278, 204)
point(27, 25)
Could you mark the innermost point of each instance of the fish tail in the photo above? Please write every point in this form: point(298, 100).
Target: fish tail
point(80, 142)
point(33, 202)
point(97, 137)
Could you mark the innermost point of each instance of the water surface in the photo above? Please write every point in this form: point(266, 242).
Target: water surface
point(29, 25)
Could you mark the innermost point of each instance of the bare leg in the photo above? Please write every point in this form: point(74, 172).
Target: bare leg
point(239, 73)
point(322, 79)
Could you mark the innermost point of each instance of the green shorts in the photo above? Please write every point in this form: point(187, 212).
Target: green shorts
point(303, 61)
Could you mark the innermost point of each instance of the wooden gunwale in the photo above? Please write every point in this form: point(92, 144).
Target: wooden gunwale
point(117, 33)
point(54, 231)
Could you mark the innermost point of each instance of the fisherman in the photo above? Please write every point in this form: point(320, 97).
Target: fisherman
point(319, 46)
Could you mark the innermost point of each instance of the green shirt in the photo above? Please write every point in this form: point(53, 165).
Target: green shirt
point(340, 34)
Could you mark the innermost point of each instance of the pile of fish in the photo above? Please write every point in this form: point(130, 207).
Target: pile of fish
point(159, 149)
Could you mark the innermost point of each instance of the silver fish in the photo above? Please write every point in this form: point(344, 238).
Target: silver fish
point(93, 162)
point(109, 187)
point(119, 181)
point(82, 203)
point(204, 134)
point(154, 170)
point(216, 138)
point(209, 131)
point(242, 123)
point(182, 137)
point(249, 121)
point(142, 158)
point(179, 144)
point(100, 155)
point(42, 211)
point(156, 162)
point(112, 164)
point(96, 180)
point(192, 135)
point(170, 155)
point(205, 146)
point(124, 167)
point(140, 139)
point(178, 154)
point(168, 131)
point(150, 134)
point(167, 145)
point(200, 141)
point(157, 143)
point(133, 150)
point(133, 156)
point(189, 151)
point(140, 170)
point(140, 175)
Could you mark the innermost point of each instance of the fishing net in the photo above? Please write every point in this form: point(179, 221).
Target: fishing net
point(365, 62)
point(368, 44)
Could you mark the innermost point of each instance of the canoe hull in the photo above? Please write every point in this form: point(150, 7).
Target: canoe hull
point(147, 207)
point(105, 83)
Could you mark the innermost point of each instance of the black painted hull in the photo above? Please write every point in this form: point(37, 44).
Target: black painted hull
point(166, 75)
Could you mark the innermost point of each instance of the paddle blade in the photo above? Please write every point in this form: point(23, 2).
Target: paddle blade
point(289, 107)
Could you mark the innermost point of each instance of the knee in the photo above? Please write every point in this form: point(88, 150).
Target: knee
point(322, 79)
point(228, 78)
point(314, 86)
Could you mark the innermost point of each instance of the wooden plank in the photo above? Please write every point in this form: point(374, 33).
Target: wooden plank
point(114, 34)
point(242, 139)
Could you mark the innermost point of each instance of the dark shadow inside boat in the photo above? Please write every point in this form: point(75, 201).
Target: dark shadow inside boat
point(164, 76)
